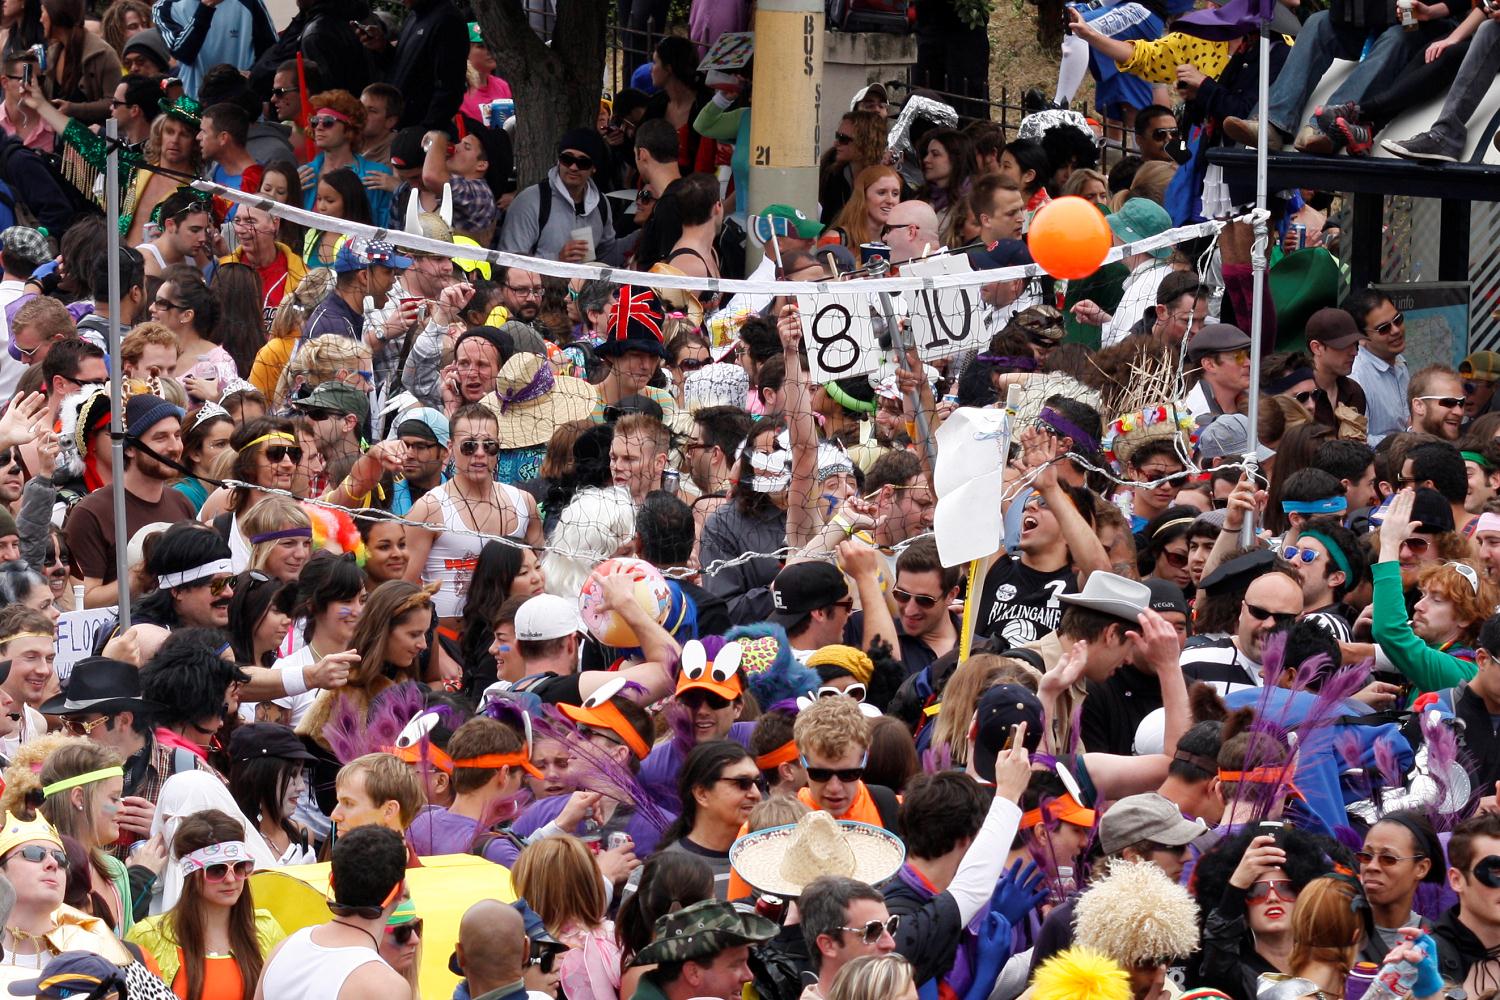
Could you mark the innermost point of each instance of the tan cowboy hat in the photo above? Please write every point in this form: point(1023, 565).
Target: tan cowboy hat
point(781, 860)
point(527, 420)
point(678, 299)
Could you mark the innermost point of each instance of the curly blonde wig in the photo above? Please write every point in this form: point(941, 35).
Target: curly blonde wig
point(1136, 914)
point(25, 772)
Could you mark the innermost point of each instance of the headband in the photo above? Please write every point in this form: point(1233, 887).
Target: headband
point(609, 713)
point(274, 435)
point(1487, 522)
point(1066, 427)
point(1328, 505)
point(271, 536)
point(334, 113)
point(784, 754)
point(87, 778)
point(1290, 379)
point(1055, 808)
point(424, 752)
point(838, 395)
point(1198, 760)
point(1173, 523)
point(1477, 459)
point(1266, 774)
point(209, 569)
point(1335, 553)
point(230, 852)
point(26, 635)
point(1018, 362)
point(496, 761)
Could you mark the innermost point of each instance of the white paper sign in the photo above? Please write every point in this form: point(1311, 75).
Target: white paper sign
point(839, 335)
point(944, 321)
point(732, 50)
point(77, 633)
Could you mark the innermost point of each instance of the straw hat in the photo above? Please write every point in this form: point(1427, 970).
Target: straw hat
point(530, 401)
point(781, 860)
point(678, 300)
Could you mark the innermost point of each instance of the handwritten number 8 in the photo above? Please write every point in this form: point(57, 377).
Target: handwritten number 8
point(826, 341)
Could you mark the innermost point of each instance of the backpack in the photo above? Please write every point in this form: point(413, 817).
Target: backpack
point(544, 211)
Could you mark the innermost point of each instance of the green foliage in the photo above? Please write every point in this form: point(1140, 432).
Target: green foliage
point(973, 13)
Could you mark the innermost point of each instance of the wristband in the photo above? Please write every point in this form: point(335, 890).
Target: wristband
point(843, 523)
point(294, 681)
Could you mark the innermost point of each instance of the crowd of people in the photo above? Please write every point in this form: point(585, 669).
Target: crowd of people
point(594, 582)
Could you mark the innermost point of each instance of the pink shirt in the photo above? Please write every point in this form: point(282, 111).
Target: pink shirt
point(496, 89)
point(39, 136)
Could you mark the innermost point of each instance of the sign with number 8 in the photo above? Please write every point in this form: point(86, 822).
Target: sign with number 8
point(839, 335)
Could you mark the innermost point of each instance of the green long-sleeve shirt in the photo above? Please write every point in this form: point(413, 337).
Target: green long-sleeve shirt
point(1429, 669)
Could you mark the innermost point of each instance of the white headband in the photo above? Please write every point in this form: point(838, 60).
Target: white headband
point(219, 566)
point(230, 852)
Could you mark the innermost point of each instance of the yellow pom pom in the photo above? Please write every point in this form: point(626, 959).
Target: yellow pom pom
point(1080, 974)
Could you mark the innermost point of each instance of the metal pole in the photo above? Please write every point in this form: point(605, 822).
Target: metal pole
point(116, 406)
point(898, 338)
point(1259, 248)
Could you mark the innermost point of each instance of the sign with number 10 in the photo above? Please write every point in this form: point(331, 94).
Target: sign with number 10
point(944, 321)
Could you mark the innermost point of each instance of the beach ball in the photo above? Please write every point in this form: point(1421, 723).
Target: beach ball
point(651, 593)
point(1069, 237)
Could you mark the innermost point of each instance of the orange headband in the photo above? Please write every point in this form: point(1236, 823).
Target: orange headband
point(498, 760)
point(425, 752)
point(1263, 775)
point(784, 754)
point(610, 714)
point(1064, 808)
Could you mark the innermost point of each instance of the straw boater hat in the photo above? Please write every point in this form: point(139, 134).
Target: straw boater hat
point(781, 860)
point(678, 300)
point(531, 401)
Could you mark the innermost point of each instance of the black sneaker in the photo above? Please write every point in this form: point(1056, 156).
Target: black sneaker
point(1425, 146)
point(1324, 116)
point(1357, 137)
point(1034, 100)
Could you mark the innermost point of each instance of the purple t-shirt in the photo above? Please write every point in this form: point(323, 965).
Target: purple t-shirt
point(660, 768)
point(544, 811)
point(438, 831)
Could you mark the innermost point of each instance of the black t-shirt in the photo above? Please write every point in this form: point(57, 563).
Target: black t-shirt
point(1020, 604)
point(1114, 709)
point(558, 689)
point(915, 654)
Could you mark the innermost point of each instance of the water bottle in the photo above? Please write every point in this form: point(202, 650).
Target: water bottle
point(1360, 978)
point(1393, 982)
point(591, 834)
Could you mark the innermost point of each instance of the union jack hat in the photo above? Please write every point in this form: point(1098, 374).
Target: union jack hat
point(633, 324)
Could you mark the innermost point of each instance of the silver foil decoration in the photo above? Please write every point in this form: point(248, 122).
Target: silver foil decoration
point(898, 139)
point(1038, 123)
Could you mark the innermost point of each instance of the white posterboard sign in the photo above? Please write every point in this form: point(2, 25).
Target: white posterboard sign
point(77, 633)
point(944, 321)
point(839, 335)
point(732, 50)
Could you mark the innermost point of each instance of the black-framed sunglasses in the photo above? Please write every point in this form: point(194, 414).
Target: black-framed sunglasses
point(1305, 397)
point(842, 138)
point(690, 364)
point(870, 933)
point(576, 160)
point(1260, 614)
point(277, 453)
point(924, 601)
point(545, 958)
point(696, 698)
point(1384, 328)
point(471, 447)
point(282, 91)
point(1163, 134)
point(403, 933)
point(741, 781)
point(848, 775)
point(165, 303)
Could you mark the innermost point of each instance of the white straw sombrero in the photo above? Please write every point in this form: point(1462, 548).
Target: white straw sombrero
point(781, 860)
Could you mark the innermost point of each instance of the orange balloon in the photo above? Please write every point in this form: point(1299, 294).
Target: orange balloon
point(1069, 237)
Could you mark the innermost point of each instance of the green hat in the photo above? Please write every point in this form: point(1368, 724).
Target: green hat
point(184, 109)
point(783, 221)
point(475, 37)
point(1301, 283)
point(337, 396)
point(701, 931)
point(1138, 219)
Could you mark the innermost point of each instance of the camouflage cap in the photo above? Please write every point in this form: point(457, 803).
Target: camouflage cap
point(702, 930)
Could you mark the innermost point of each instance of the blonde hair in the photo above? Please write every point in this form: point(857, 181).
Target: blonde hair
point(961, 694)
point(296, 307)
point(149, 334)
point(274, 513)
point(74, 758)
point(872, 977)
point(1325, 926)
point(317, 361)
point(1136, 914)
point(1151, 180)
point(388, 778)
point(23, 774)
point(830, 726)
point(778, 810)
point(560, 879)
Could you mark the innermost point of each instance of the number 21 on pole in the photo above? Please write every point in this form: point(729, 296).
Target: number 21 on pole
point(839, 336)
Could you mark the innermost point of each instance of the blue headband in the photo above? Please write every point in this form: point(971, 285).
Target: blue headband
point(1328, 505)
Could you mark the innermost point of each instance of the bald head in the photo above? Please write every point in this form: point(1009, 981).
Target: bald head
point(491, 946)
point(912, 225)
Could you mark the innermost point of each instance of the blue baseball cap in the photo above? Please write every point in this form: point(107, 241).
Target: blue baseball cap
point(358, 255)
point(424, 421)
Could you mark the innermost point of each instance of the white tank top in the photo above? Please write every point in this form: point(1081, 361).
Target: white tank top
point(286, 976)
point(454, 554)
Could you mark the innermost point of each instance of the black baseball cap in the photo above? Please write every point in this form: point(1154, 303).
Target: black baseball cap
point(1237, 573)
point(1000, 708)
point(255, 740)
point(802, 588)
point(1166, 596)
point(1430, 512)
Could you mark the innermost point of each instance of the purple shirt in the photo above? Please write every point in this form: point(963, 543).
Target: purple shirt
point(544, 811)
point(438, 831)
point(660, 768)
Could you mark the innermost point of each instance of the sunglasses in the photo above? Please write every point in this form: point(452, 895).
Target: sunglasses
point(6, 459)
point(1260, 614)
point(1163, 134)
point(219, 584)
point(278, 453)
point(1282, 887)
point(1385, 860)
point(847, 775)
point(37, 854)
point(871, 932)
point(1240, 357)
point(80, 728)
point(924, 602)
point(1449, 401)
point(743, 782)
point(546, 958)
point(842, 138)
point(282, 91)
point(472, 445)
point(316, 414)
point(1177, 560)
point(1417, 545)
point(1305, 397)
point(697, 698)
point(855, 691)
point(162, 303)
point(576, 160)
point(1470, 388)
point(691, 364)
point(403, 933)
point(1384, 328)
point(322, 122)
point(1293, 554)
point(218, 873)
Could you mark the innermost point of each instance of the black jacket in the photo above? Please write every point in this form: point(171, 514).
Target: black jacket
point(428, 67)
point(33, 184)
point(322, 33)
point(1459, 950)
